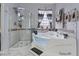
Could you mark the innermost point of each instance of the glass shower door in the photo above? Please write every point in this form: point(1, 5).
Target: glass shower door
point(19, 33)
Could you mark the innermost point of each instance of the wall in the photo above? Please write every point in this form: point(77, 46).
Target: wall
point(0, 16)
point(69, 7)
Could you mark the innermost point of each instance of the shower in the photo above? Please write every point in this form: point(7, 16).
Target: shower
point(18, 32)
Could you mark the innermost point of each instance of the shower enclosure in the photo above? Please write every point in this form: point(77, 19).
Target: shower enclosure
point(19, 29)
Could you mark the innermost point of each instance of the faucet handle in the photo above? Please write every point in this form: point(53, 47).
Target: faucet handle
point(65, 35)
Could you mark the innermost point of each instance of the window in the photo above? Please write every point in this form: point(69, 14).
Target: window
point(44, 18)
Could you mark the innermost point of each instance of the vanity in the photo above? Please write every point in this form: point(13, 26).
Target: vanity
point(54, 43)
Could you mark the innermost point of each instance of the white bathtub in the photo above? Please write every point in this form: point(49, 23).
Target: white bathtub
point(51, 45)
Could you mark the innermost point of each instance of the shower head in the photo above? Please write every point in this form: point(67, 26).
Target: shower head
point(18, 9)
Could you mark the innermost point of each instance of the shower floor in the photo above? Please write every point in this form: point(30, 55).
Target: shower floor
point(19, 49)
point(21, 44)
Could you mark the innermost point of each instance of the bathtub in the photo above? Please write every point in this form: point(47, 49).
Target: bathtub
point(52, 45)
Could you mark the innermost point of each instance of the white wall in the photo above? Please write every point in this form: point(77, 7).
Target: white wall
point(69, 7)
point(0, 17)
